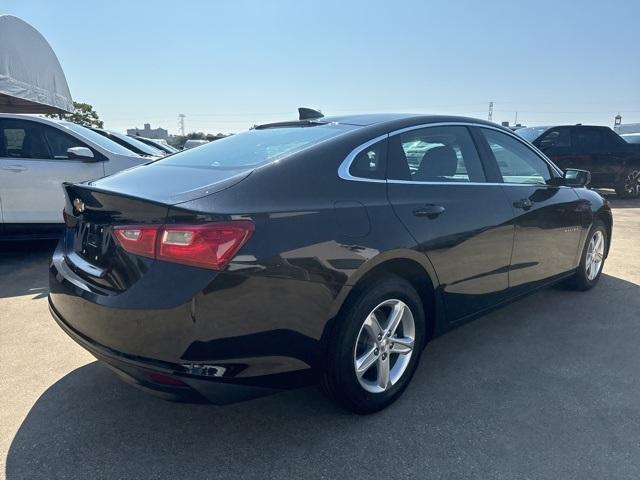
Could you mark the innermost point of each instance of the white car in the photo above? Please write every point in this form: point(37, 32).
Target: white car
point(36, 156)
point(631, 137)
point(191, 143)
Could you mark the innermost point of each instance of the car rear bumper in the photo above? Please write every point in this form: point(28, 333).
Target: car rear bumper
point(166, 380)
point(219, 338)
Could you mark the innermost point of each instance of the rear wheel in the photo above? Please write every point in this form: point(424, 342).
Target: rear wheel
point(629, 185)
point(376, 346)
point(593, 256)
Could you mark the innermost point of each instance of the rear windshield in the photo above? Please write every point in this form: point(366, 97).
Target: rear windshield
point(255, 147)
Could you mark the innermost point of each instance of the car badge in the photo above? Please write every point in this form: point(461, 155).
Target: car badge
point(78, 205)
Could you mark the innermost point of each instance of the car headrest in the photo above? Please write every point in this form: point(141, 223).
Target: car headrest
point(437, 163)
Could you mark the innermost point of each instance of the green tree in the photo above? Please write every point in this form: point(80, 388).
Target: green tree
point(83, 114)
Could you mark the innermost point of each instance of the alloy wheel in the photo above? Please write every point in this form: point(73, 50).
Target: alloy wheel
point(384, 346)
point(632, 183)
point(595, 255)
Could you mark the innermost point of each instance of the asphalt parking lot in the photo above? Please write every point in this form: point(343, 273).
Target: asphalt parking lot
point(548, 387)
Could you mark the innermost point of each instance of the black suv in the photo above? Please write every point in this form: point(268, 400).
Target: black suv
point(613, 163)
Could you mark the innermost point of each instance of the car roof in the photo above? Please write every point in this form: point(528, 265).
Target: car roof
point(23, 116)
point(389, 120)
point(579, 125)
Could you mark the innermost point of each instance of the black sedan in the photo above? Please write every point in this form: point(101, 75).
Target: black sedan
point(323, 249)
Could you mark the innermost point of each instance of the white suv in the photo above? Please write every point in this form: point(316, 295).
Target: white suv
point(36, 156)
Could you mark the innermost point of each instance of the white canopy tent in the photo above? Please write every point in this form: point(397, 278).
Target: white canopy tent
point(31, 78)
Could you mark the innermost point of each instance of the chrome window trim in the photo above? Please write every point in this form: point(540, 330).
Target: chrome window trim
point(343, 170)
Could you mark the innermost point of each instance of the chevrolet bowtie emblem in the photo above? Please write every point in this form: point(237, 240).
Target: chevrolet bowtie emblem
point(78, 205)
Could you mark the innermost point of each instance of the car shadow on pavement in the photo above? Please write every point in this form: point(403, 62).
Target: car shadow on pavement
point(547, 387)
point(23, 268)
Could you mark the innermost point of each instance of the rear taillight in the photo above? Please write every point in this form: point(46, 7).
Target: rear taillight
point(140, 240)
point(210, 245)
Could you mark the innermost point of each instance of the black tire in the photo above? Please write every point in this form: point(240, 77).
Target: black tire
point(339, 377)
point(581, 280)
point(629, 184)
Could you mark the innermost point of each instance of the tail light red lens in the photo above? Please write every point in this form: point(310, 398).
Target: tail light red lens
point(210, 245)
point(140, 240)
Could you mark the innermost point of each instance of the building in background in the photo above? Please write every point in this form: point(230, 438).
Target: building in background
point(148, 132)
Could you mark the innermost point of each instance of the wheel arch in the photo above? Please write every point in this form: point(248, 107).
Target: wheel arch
point(604, 214)
point(407, 264)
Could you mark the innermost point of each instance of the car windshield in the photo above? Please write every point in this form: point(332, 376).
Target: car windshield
point(98, 139)
point(147, 149)
point(530, 134)
point(255, 147)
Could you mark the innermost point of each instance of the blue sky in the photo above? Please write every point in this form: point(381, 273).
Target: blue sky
point(230, 64)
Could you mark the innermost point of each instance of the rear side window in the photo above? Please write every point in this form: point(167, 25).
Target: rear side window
point(255, 147)
point(370, 162)
point(517, 162)
point(587, 138)
point(435, 154)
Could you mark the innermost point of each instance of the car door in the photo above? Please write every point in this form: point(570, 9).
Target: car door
point(33, 164)
point(546, 216)
point(437, 187)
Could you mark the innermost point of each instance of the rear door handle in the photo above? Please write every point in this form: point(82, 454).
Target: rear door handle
point(15, 168)
point(523, 203)
point(429, 211)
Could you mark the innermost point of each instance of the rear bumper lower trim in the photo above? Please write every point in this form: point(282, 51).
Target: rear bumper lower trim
point(131, 369)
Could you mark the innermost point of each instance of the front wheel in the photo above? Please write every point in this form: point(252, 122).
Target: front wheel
point(593, 256)
point(375, 346)
point(629, 185)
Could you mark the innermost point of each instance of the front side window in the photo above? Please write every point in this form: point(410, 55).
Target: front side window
point(97, 139)
point(435, 154)
point(59, 142)
point(23, 139)
point(556, 138)
point(517, 162)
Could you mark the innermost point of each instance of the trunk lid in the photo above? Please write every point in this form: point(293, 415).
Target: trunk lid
point(90, 247)
point(171, 184)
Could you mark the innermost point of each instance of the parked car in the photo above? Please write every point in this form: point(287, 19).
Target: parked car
point(36, 156)
point(193, 143)
point(160, 145)
point(330, 249)
point(631, 137)
point(613, 163)
point(132, 144)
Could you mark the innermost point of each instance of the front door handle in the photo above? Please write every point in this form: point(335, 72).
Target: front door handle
point(523, 203)
point(429, 211)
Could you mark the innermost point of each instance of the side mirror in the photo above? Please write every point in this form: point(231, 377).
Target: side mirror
point(81, 153)
point(576, 178)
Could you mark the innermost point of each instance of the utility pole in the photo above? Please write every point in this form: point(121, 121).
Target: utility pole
point(181, 123)
point(490, 117)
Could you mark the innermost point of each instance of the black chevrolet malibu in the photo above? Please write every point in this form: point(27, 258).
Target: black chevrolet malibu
point(323, 249)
